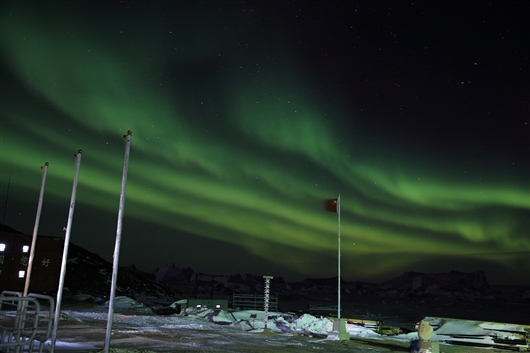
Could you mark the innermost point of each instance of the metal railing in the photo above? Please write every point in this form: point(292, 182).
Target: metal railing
point(22, 322)
point(254, 302)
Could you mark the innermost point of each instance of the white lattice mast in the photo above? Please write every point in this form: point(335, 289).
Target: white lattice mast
point(266, 301)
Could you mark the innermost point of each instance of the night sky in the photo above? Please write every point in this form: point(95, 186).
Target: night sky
point(247, 116)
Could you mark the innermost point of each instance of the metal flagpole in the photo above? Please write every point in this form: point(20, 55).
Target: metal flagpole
point(118, 241)
point(65, 252)
point(338, 216)
point(35, 229)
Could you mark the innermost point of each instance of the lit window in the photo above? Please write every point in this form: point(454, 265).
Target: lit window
point(25, 248)
point(21, 274)
point(2, 246)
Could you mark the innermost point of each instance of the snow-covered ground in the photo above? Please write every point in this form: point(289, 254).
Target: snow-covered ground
point(137, 329)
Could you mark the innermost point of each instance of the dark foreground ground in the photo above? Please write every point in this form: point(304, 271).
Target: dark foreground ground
point(142, 333)
point(207, 337)
point(217, 341)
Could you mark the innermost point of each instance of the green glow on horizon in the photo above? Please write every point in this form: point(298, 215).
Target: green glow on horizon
point(262, 188)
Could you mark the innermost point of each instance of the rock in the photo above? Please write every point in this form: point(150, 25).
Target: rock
point(417, 284)
point(434, 290)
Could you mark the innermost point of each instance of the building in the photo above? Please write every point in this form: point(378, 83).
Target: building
point(14, 257)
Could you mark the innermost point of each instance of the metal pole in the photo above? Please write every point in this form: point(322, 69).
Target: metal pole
point(65, 252)
point(118, 241)
point(35, 229)
point(338, 215)
point(266, 301)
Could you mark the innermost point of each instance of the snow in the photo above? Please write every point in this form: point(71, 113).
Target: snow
point(137, 329)
point(128, 303)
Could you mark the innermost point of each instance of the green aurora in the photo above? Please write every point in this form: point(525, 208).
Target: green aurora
point(234, 149)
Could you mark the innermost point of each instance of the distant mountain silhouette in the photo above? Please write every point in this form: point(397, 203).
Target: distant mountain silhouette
point(89, 272)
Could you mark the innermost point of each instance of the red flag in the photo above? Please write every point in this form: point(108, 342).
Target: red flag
point(331, 205)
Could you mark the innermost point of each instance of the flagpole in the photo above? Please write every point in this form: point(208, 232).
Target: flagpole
point(35, 229)
point(118, 242)
point(338, 216)
point(65, 252)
